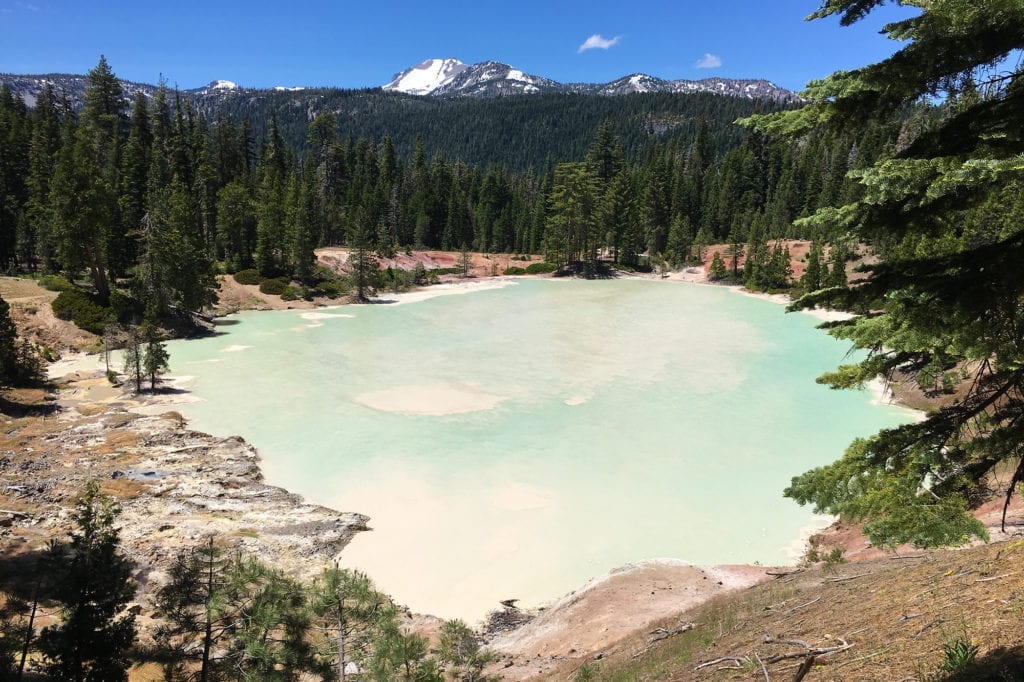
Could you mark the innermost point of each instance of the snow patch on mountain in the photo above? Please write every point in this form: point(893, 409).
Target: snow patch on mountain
point(222, 85)
point(452, 78)
point(427, 76)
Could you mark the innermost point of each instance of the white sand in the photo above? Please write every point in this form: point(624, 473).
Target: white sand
point(446, 289)
point(76, 362)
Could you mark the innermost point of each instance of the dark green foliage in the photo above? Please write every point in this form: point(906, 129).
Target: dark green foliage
point(274, 287)
point(54, 283)
point(161, 197)
point(331, 288)
point(462, 649)
point(247, 277)
point(134, 354)
point(92, 641)
point(291, 293)
point(19, 362)
point(540, 268)
point(155, 358)
point(717, 270)
point(84, 310)
point(520, 131)
point(234, 617)
point(514, 270)
point(943, 210)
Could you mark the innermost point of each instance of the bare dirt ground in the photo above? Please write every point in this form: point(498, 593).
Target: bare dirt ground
point(588, 621)
point(481, 264)
point(233, 297)
point(888, 619)
point(31, 312)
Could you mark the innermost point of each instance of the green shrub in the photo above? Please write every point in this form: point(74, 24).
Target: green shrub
point(247, 277)
point(540, 268)
point(83, 310)
point(274, 287)
point(332, 288)
point(123, 307)
point(54, 283)
point(447, 271)
point(291, 293)
point(960, 654)
point(514, 270)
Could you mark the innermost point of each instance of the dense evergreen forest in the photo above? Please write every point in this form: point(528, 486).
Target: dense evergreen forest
point(150, 199)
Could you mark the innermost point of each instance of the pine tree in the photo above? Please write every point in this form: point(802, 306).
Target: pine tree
point(36, 240)
point(92, 642)
point(134, 353)
point(188, 606)
point(701, 243)
point(812, 278)
point(350, 608)
point(361, 260)
point(155, 358)
point(571, 236)
point(837, 255)
point(717, 270)
point(19, 363)
point(680, 237)
point(462, 649)
point(954, 307)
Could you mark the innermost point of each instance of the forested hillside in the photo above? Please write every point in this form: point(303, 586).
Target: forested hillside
point(151, 199)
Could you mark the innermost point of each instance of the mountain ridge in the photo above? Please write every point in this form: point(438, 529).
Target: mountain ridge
point(438, 78)
point(452, 78)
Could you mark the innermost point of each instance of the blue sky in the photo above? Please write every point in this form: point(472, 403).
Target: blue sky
point(362, 44)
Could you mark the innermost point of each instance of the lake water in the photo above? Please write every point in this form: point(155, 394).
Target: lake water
point(517, 441)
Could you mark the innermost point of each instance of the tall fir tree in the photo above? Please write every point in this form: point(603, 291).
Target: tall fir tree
point(93, 639)
point(958, 305)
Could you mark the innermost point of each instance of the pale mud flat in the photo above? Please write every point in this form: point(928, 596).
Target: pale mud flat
point(444, 289)
point(612, 607)
point(89, 386)
point(430, 400)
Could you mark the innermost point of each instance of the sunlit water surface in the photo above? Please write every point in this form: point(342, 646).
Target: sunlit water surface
point(516, 441)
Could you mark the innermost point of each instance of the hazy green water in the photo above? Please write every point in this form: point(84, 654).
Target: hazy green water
point(621, 420)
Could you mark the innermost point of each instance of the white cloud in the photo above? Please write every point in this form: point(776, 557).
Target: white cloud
point(709, 61)
point(598, 41)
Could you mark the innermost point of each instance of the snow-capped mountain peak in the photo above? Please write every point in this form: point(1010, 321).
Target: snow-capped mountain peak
point(452, 78)
point(427, 76)
point(222, 85)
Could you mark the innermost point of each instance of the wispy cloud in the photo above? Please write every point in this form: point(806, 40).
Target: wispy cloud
point(599, 42)
point(709, 61)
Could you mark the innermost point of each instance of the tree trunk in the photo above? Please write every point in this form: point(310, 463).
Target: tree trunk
point(204, 671)
point(28, 629)
point(341, 642)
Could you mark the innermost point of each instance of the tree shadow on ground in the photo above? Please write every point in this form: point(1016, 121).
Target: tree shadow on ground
point(17, 409)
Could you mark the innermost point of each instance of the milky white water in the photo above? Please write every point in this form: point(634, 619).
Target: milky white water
point(517, 441)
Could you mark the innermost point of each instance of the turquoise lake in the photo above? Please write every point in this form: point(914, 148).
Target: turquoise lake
point(516, 441)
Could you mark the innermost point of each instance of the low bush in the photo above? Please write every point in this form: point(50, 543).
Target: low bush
point(540, 268)
point(291, 293)
point(273, 287)
point(83, 310)
point(514, 270)
point(54, 283)
point(332, 288)
point(124, 307)
point(247, 277)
